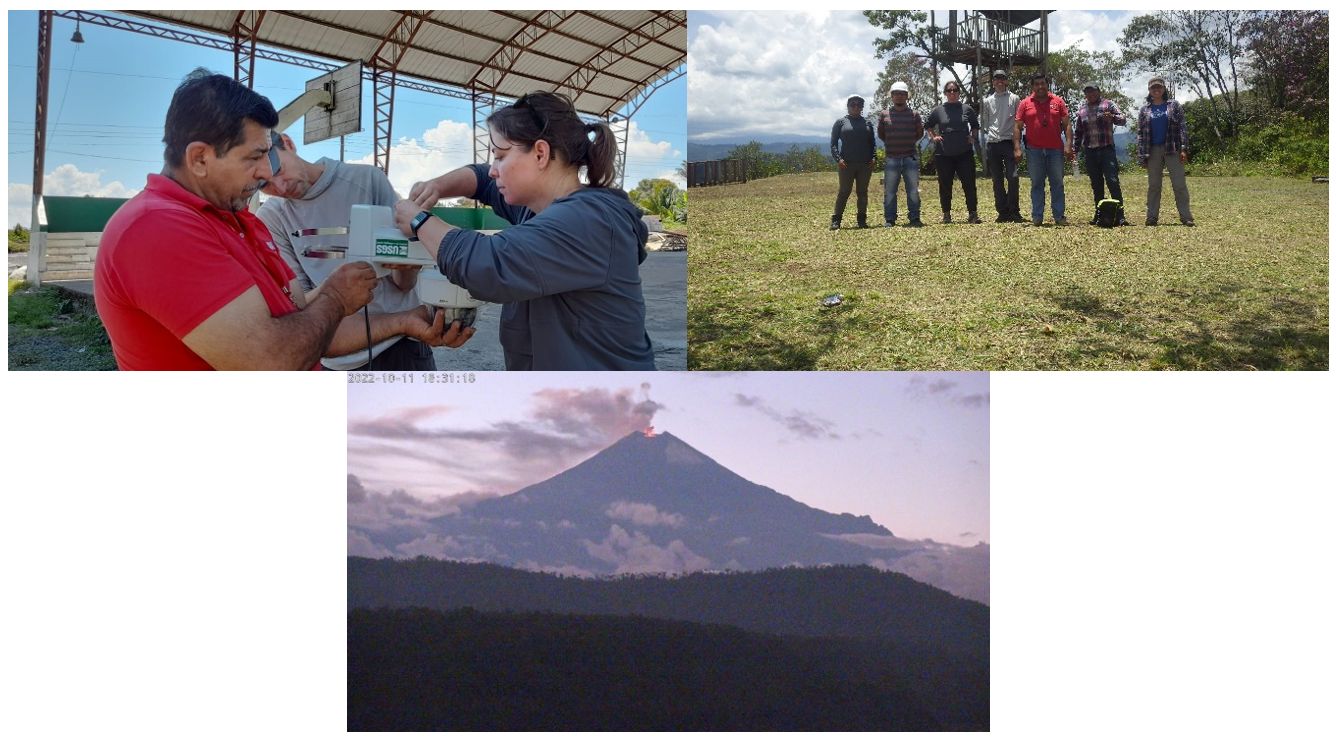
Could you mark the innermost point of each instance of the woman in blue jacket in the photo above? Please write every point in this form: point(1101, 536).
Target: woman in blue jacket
point(568, 272)
point(1162, 142)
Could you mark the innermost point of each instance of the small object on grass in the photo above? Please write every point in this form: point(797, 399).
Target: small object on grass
point(1048, 328)
point(832, 300)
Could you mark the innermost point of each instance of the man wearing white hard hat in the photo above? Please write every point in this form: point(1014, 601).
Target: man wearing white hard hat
point(900, 129)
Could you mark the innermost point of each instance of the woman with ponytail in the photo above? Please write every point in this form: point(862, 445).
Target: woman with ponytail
point(568, 272)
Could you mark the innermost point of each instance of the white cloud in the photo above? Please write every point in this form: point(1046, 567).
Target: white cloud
point(463, 548)
point(777, 73)
point(962, 571)
point(65, 179)
point(446, 147)
point(20, 205)
point(1093, 31)
point(449, 145)
point(771, 74)
point(636, 553)
point(644, 154)
point(359, 545)
point(644, 515)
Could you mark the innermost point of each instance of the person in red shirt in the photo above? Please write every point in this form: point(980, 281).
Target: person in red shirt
point(1041, 117)
point(187, 279)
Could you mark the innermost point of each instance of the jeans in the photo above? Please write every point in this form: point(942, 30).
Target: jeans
point(1155, 165)
point(1045, 163)
point(1102, 166)
point(908, 168)
point(1002, 166)
point(860, 173)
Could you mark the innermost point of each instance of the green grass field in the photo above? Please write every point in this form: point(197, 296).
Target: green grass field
point(1246, 289)
point(50, 329)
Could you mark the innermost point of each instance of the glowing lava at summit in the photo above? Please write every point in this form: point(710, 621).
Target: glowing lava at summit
point(649, 432)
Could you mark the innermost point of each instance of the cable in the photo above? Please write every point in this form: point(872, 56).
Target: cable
point(366, 315)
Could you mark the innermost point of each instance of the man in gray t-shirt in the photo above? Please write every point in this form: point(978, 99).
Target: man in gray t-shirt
point(312, 195)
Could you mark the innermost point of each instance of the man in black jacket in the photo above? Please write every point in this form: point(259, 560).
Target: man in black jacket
point(853, 147)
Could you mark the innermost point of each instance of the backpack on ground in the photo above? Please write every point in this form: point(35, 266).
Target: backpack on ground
point(1108, 213)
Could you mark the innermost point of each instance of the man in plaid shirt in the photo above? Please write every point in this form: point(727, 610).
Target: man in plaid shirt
point(1094, 136)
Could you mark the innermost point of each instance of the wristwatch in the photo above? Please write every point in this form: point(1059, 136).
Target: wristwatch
point(417, 222)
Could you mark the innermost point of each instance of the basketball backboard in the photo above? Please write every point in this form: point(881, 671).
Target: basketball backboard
point(344, 114)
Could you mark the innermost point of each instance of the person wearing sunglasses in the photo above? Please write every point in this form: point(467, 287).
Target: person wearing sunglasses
point(568, 271)
point(1042, 119)
point(306, 195)
point(186, 278)
point(953, 126)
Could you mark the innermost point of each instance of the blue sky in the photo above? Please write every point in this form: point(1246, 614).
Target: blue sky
point(767, 74)
point(911, 450)
point(104, 123)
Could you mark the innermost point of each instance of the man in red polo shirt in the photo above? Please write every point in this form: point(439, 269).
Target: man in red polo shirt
point(187, 279)
point(1041, 118)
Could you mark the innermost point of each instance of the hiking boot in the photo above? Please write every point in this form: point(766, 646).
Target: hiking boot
point(890, 224)
point(1152, 223)
point(916, 223)
point(862, 224)
point(1035, 222)
point(1059, 222)
point(834, 224)
point(1189, 223)
point(974, 218)
point(1002, 219)
point(946, 218)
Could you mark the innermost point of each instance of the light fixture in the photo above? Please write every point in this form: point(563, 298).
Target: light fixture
point(77, 37)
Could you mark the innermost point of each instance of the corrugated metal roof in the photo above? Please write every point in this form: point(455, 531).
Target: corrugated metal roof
point(601, 58)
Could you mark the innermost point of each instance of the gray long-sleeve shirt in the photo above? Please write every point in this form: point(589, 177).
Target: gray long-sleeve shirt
point(851, 138)
point(998, 118)
point(569, 278)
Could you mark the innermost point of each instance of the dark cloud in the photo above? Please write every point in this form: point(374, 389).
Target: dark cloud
point(356, 494)
point(941, 385)
point(973, 400)
point(802, 423)
point(942, 389)
point(565, 426)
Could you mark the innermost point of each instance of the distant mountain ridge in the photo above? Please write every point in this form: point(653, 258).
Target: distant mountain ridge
point(838, 601)
point(649, 504)
point(700, 151)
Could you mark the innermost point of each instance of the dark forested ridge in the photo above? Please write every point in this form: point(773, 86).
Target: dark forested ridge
point(834, 601)
point(448, 645)
point(420, 669)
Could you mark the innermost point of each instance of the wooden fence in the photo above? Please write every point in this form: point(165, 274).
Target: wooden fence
point(716, 172)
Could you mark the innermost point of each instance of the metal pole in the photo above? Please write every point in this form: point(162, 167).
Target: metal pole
point(35, 243)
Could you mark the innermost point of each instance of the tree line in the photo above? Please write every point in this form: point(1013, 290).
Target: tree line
point(1259, 79)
